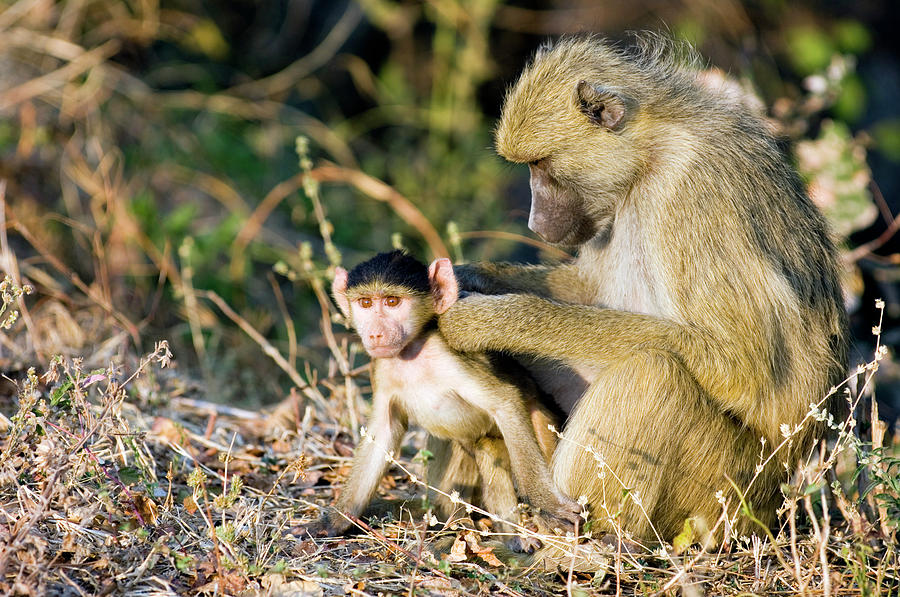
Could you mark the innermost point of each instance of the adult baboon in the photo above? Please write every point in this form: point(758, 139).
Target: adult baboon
point(703, 311)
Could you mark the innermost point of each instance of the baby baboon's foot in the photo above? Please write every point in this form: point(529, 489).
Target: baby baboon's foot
point(321, 528)
point(524, 543)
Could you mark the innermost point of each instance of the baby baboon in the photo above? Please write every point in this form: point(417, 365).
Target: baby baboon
point(468, 401)
point(703, 312)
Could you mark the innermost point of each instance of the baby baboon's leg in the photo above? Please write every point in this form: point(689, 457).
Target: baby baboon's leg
point(499, 492)
point(451, 469)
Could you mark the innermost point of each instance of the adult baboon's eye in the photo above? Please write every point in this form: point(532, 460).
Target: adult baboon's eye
point(365, 302)
point(392, 301)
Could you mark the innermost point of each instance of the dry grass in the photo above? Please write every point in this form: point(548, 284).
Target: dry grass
point(126, 480)
point(120, 476)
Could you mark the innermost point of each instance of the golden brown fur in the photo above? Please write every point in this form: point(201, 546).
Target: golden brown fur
point(703, 311)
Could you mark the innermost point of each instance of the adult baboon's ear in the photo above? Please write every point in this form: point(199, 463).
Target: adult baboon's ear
point(339, 291)
point(603, 106)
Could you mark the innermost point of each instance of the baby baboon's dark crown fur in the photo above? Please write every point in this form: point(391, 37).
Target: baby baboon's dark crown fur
point(396, 268)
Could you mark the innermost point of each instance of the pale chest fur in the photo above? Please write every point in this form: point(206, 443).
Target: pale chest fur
point(631, 275)
point(436, 389)
point(626, 276)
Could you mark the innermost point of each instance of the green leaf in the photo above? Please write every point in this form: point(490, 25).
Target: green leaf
point(424, 456)
point(129, 475)
point(206, 38)
point(690, 30)
point(851, 101)
point(685, 538)
point(178, 222)
point(852, 36)
point(887, 138)
point(58, 396)
point(811, 489)
point(184, 562)
point(8, 135)
point(809, 49)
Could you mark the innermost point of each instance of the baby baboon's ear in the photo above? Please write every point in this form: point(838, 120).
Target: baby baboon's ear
point(339, 290)
point(603, 106)
point(444, 288)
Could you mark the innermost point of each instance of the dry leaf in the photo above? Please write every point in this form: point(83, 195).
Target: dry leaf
point(437, 585)
point(280, 446)
point(276, 587)
point(146, 507)
point(457, 551)
point(68, 543)
point(485, 553)
point(467, 543)
point(167, 430)
point(298, 588)
point(190, 505)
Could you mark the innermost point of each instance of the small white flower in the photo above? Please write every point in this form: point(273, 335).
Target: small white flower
point(816, 84)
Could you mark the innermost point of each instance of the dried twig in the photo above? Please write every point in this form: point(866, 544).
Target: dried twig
point(269, 350)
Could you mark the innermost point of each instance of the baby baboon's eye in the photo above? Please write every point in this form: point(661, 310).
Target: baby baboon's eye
point(365, 302)
point(392, 301)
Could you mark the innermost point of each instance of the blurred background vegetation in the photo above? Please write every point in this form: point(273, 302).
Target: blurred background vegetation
point(148, 151)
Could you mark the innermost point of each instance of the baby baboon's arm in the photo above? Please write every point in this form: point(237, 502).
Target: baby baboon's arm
point(509, 410)
point(388, 424)
point(492, 458)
